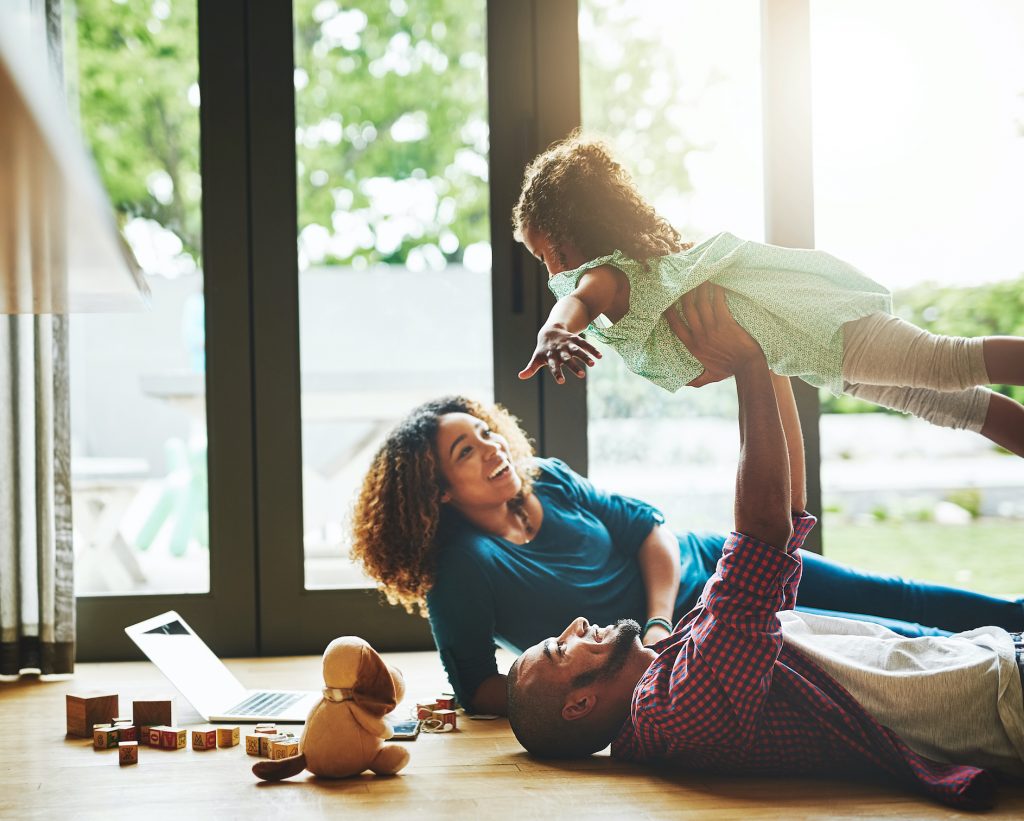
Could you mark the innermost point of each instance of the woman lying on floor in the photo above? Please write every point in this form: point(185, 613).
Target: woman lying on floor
point(458, 516)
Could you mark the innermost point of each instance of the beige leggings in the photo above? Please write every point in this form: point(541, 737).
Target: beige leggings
point(897, 365)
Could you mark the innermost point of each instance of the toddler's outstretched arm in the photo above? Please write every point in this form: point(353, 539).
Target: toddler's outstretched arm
point(559, 343)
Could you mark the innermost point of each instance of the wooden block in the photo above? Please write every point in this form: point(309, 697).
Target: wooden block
point(172, 738)
point(267, 740)
point(446, 717)
point(106, 738)
point(122, 720)
point(285, 748)
point(128, 752)
point(156, 735)
point(227, 736)
point(150, 713)
point(204, 739)
point(144, 736)
point(87, 709)
point(128, 732)
point(252, 744)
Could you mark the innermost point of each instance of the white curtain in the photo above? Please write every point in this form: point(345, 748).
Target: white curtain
point(37, 601)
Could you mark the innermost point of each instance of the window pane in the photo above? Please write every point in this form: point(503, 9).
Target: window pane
point(137, 379)
point(394, 244)
point(919, 168)
point(676, 89)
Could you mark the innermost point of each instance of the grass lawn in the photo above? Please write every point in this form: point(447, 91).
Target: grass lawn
point(987, 556)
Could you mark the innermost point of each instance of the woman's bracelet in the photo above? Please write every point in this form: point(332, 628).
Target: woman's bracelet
point(657, 622)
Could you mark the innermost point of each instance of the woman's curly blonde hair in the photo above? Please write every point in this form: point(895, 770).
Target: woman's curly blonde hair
point(396, 515)
point(575, 192)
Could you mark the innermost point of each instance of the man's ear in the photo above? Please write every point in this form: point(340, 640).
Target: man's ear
point(578, 705)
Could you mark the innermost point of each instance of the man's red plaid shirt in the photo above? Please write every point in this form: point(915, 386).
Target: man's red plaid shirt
point(727, 695)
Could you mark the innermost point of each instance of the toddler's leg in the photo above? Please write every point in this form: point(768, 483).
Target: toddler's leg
point(881, 349)
point(991, 414)
point(1004, 359)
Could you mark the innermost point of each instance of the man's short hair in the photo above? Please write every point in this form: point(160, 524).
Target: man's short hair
point(535, 715)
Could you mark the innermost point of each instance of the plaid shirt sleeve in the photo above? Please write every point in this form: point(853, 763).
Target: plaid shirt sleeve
point(715, 689)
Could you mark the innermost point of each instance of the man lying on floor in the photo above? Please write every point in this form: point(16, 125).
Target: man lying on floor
point(746, 685)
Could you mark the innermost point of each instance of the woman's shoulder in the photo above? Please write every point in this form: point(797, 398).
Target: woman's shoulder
point(553, 471)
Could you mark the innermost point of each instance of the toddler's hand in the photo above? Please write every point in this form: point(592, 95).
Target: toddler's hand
point(558, 347)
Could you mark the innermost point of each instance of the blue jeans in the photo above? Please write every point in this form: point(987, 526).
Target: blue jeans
point(829, 588)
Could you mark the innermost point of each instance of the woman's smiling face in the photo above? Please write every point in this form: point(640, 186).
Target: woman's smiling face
point(475, 462)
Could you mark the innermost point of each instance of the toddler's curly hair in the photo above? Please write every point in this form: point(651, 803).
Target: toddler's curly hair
point(575, 192)
point(396, 515)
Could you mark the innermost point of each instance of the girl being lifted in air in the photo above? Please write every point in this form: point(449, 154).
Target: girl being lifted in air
point(617, 269)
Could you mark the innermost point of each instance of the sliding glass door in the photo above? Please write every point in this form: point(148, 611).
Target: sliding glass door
point(675, 89)
point(160, 407)
point(919, 168)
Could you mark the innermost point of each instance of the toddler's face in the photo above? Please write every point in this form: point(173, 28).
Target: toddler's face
point(541, 247)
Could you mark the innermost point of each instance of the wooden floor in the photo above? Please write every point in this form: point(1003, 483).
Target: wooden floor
point(478, 772)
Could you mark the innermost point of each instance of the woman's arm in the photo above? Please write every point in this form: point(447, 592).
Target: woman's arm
point(491, 697)
point(659, 567)
point(794, 440)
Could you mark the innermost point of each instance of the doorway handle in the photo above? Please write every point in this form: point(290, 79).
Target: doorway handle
point(517, 278)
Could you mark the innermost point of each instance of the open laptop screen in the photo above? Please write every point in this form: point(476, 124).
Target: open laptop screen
point(185, 659)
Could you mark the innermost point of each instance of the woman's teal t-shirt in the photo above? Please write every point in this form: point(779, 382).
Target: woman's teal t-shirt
point(582, 562)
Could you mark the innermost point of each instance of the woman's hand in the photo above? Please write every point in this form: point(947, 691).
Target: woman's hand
point(711, 334)
point(558, 347)
point(655, 633)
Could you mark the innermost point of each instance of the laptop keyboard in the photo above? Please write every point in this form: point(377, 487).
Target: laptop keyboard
point(264, 704)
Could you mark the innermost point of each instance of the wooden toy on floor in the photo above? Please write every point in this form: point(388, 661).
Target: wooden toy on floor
point(284, 748)
point(267, 740)
point(167, 738)
point(345, 732)
point(128, 752)
point(204, 739)
point(85, 710)
point(227, 736)
point(152, 712)
point(105, 738)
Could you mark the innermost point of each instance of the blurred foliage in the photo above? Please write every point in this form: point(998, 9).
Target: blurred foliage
point(387, 90)
point(392, 91)
point(136, 64)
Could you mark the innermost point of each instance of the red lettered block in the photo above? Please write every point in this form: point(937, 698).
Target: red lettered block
point(205, 739)
point(172, 738)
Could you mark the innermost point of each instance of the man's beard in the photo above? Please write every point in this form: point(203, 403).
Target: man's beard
point(623, 642)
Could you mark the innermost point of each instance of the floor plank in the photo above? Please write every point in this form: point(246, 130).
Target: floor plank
point(478, 772)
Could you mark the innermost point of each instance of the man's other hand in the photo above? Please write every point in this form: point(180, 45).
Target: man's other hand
point(703, 323)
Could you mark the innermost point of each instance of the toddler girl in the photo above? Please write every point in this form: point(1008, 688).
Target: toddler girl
point(617, 268)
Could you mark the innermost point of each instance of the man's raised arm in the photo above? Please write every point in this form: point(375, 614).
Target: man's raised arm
point(762, 507)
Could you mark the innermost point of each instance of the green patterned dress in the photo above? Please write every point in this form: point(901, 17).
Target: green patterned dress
point(793, 301)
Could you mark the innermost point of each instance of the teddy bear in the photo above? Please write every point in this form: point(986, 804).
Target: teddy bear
point(345, 732)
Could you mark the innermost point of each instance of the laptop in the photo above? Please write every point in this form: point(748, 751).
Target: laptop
point(206, 683)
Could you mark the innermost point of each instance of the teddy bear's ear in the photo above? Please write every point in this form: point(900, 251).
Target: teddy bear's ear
point(374, 690)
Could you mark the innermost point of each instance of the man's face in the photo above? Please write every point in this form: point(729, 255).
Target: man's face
point(588, 663)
